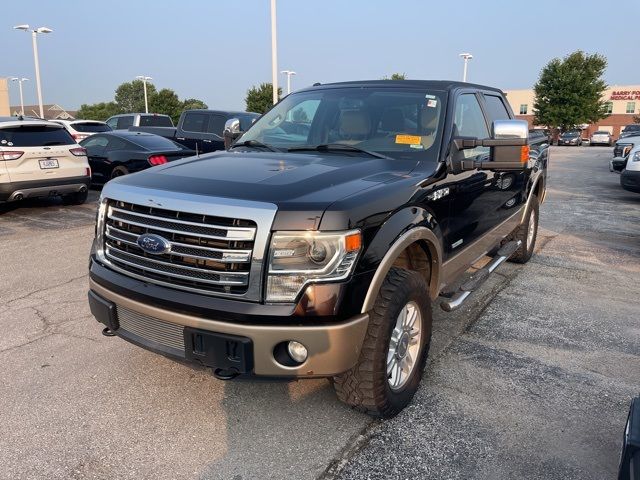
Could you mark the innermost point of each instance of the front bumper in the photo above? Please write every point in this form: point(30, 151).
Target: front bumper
point(43, 188)
point(333, 348)
point(630, 180)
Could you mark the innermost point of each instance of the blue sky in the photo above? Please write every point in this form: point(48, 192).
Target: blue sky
point(216, 49)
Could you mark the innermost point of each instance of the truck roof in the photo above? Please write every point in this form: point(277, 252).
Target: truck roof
point(444, 85)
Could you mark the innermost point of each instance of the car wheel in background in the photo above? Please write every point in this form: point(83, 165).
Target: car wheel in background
point(118, 172)
point(77, 198)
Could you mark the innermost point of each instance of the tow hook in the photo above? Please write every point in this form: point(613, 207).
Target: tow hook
point(107, 332)
point(222, 374)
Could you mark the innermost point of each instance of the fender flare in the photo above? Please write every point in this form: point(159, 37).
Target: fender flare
point(403, 241)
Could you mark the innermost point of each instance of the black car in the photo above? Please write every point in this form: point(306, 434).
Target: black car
point(571, 138)
point(630, 130)
point(118, 153)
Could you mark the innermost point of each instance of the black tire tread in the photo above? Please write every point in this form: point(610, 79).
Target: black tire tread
point(364, 386)
point(523, 254)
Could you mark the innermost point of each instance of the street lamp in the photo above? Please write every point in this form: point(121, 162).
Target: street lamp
point(144, 86)
point(20, 80)
point(288, 73)
point(34, 35)
point(274, 52)
point(466, 57)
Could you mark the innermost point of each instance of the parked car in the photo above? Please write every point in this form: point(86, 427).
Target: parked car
point(118, 153)
point(630, 176)
point(40, 159)
point(541, 131)
point(624, 145)
point(571, 138)
point(316, 245)
point(81, 129)
point(600, 137)
point(630, 130)
point(126, 120)
point(202, 130)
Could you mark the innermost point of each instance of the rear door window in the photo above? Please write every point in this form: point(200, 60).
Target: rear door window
point(496, 109)
point(124, 122)
point(34, 136)
point(194, 122)
point(216, 124)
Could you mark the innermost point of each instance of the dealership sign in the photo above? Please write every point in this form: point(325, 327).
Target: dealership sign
point(625, 95)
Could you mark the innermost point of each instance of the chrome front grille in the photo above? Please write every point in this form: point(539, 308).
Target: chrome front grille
point(151, 329)
point(208, 254)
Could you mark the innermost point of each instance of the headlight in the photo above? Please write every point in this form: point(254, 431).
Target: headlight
point(636, 157)
point(299, 258)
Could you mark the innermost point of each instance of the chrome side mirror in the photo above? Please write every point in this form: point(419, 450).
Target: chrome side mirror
point(510, 129)
point(231, 132)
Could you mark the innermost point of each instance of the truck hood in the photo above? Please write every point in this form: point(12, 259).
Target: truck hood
point(305, 183)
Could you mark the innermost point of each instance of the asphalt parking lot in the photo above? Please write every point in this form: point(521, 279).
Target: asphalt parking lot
point(531, 379)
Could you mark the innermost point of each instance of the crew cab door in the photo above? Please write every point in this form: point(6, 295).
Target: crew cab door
point(471, 192)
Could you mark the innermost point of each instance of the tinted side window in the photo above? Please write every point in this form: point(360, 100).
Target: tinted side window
point(469, 122)
point(113, 123)
point(194, 122)
point(216, 124)
point(116, 144)
point(125, 122)
point(34, 136)
point(495, 108)
point(155, 121)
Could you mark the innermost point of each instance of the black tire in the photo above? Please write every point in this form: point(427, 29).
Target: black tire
point(366, 387)
point(524, 253)
point(77, 198)
point(118, 172)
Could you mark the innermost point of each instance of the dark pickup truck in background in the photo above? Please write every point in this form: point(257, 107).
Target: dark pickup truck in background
point(317, 244)
point(201, 130)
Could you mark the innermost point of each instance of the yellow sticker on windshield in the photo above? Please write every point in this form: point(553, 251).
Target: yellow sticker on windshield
point(408, 139)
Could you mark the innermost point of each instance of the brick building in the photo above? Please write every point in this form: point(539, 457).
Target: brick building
point(623, 102)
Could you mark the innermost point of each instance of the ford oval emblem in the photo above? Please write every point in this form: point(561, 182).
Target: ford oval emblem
point(154, 244)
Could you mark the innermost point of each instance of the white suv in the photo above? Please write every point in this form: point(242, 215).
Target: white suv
point(630, 177)
point(81, 129)
point(40, 159)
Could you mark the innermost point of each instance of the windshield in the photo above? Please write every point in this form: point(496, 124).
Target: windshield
point(402, 123)
point(570, 134)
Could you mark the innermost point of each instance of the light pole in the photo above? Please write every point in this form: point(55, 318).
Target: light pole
point(288, 73)
point(20, 80)
point(274, 52)
point(466, 57)
point(34, 36)
point(144, 86)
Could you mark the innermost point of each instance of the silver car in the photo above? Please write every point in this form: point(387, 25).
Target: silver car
point(601, 137)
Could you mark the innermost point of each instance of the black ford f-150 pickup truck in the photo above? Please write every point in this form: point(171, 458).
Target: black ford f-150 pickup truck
point(202, 130)
point(317, 244)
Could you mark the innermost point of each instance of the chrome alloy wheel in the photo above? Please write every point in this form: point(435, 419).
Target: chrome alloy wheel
point(532, 229)
point(404, 346)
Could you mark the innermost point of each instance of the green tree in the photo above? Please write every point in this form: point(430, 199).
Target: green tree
point(396, 76)
point(192, 103)
point(99, 111)
point(300, 116)
point(636, 119)
point(130, 96)
point(166, 102)
point(569, 91)
point(259, 98)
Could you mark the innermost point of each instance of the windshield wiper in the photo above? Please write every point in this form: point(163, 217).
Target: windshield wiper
point(255, 144)
point(325, 147)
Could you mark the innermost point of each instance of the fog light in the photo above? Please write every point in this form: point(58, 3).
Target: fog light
point(297, 351)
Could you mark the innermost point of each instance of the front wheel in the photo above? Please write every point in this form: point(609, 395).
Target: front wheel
point(395, 348)
point(118, 172)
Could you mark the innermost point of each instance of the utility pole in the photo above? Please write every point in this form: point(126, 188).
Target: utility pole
point(274, 52)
